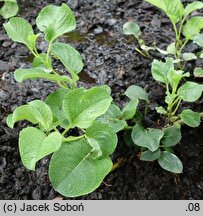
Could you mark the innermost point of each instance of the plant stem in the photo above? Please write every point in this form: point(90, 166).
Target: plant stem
point(66, 130)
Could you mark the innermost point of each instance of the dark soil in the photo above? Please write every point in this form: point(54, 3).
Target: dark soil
point(109, 58)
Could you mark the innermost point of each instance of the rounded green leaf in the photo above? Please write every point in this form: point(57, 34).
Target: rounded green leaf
point(55, 21)
point(82, 106)
point(189, 56)
point(34, 145)
point(147, 138)
point(113, 117)
point(131, 28)
point(55, 102)
point(193, 27)
point(130, 109)
point(161, 69)
point(170, 162)
point(172, 136)
point(173, 8)
point(190, 91)
point(198, 39)
point(69, 56)
point(35, 112)
point(136, 92)
point(73, 173)
point(18, 29)
point(150, 156)
point(9, 9)
point(195, 5)
point(198, 72)
point(102, 138)
point(35, 73)
point(190, 118)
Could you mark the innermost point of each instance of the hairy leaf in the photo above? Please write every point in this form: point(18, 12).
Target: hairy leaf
point(170, 162)
point(19, 30)
point(102, 138)
point(189, 56)
point(34, 145)
point(136, 92)
point(190, 91)
point(113, 117)
point(150, 156)
point(72, 171)
point(82, 106)
point(69, 56)
point(198, 72)
point(198, 39)
point(173, 8)
point(36, 112)
point(195, 5)
point(55, 21)
point(190, 118)
point(193, 27)
point(172, 136)
point(132, 28)
point(55, 102)
point(9, 9)
point(160, 70)
point(35, 73)
point(130, 109)
point(147, 138)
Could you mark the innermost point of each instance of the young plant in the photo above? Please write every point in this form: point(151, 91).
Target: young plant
point(79, 163)
point(9, 8)
point(157, 143)
point(185, 29)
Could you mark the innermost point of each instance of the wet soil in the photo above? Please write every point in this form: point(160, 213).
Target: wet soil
point(109, 58)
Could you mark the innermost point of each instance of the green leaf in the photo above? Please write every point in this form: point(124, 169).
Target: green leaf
point(147, 138)
point(160, 70)
point(40, 63)
point(55, 102)
point(113, 117)
point(172, 136)
point(198, 72)
point(198, 39)
point(173, 8)
point(34, 145)
point(150, 156)
point(130, 109)
point(174, 77)
point(190, 91)
point(19, 30)
point(161, 110)
point(36, 112)
point(171, 49)
point(72, 171)
point(82, 106)
point(193, 27)
point(32, 41)
point(69, 56)
point(189, 56)
point(190, 118)
point(132, 28)
point(136, 92)
point(9, 9)
point(195, 5)
point(55, 21)
point(170, 162)
point(102, 138)
point(35, 73)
